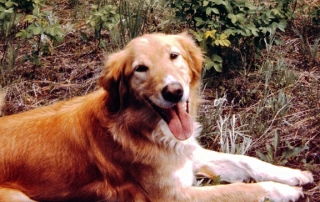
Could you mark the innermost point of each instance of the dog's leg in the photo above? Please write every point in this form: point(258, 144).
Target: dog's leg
point(7, 194)
point(235, 168)
point(240, 192)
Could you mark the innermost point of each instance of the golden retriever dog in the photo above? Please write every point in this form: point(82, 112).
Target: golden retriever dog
point(134, 139)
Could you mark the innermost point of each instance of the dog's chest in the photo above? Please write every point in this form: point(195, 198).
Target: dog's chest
point(185, 174)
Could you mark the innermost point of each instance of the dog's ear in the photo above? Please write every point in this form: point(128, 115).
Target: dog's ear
point(113, 80)
point(195, 57)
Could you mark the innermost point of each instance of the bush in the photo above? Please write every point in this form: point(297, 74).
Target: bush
point(232, 32)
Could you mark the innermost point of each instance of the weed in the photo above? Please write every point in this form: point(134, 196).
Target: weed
point(9, 20)
point(2, 98)
point(102, 17)
point(309, 51)
point(7, 63)
point(133, 18)
point(233, 139)
point(230, 131)
point(272, 151)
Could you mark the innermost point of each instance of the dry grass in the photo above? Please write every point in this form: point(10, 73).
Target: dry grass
point(2, 99)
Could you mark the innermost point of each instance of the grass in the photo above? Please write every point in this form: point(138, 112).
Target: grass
point(242, 110)
point(2, 99)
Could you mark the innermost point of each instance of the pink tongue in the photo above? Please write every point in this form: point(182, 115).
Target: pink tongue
point(180, 122)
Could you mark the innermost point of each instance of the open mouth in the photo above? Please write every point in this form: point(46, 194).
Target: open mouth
point(177, 117)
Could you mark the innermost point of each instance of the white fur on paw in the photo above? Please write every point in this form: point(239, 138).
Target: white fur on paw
point(299, 178)
point(281, 192)
point(305, 178)
point(289, 176)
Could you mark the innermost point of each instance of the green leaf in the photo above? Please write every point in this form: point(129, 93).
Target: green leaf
point(20, 34)
point(275, 11)
point(262, 156)
point(218, 67)
point(199, 23)
point(208, 64)
point(212, 10)
point(232, 17)
point(276, 140)
point(217, 58)
point(278, 41)
point(282, 25)
point(208, 10)
point(198, 19)
point(292, 152)
point(253, 29)
point(10, 10)
point(93, 6)
point(29, 18)
point(250, 6)
point(99, 13)
point(197, 35)
point(215, 62)
point(241, 18)
point(218, 2)
point(230, 31)
point(215, 11)
point(36, 30)
point(92, 23)
point(270, 153)
point(9, 4)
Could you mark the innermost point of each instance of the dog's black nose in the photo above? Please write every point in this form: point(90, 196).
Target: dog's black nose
point(172, 92)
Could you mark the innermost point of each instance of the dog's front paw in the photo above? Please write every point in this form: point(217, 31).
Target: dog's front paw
point(280, 192)
point(297, 177)
point(305, 177)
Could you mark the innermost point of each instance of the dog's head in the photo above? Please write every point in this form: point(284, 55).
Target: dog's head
point(161, 71)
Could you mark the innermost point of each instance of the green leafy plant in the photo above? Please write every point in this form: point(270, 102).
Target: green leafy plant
point(209, 39)
point(102, 17)
point(223, 27)
point(272, 151)
point(38, 25)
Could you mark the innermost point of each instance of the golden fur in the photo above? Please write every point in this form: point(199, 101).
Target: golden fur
point(132, 139)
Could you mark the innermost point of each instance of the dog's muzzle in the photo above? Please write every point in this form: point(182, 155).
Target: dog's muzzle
point(177, 116)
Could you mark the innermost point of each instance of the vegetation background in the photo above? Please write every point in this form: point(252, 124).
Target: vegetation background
point(261, 79)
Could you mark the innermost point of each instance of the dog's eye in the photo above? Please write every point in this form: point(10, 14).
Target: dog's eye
point(141, 68)
point(173, 56)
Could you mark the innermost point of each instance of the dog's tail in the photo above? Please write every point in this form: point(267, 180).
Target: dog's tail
point(3, 93)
